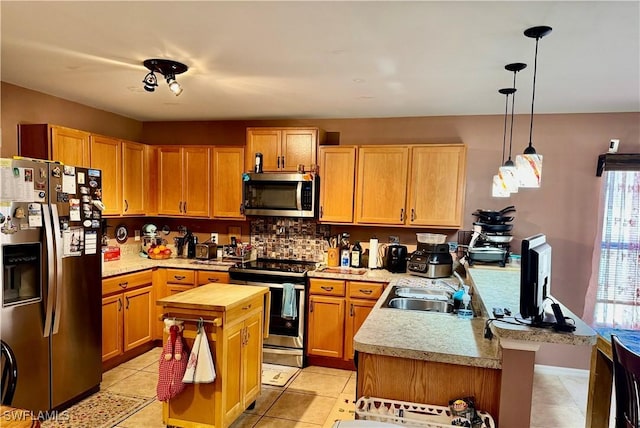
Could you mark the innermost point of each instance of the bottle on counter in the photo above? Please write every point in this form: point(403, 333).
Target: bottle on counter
point(344, 258)
point(356, 253)
point(465, 311)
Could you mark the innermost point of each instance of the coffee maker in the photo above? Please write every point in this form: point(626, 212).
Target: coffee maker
point(431, 261)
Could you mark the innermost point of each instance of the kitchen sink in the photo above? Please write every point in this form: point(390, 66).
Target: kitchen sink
point(420, 305)
point(419, 299)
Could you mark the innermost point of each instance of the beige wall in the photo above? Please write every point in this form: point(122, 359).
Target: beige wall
point(564, 207)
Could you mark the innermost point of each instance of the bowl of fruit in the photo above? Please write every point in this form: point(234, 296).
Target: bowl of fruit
point(159, 252)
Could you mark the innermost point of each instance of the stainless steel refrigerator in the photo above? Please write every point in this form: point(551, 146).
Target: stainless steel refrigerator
point(51, 284)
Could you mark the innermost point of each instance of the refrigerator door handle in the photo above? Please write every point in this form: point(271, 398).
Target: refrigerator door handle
point(58, 241)
point(50, 271)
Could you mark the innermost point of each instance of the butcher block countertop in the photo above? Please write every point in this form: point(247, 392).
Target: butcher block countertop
point(213, 297)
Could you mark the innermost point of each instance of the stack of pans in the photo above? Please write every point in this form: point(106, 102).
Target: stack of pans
point(491, 237)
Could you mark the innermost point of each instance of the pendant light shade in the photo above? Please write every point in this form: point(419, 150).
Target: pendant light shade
point(499, 188)
point(529, 164)
point(507, 177)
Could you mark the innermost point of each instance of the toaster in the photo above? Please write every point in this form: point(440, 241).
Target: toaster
point(206, 251)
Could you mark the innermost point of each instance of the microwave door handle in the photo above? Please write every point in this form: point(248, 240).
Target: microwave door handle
point(299, 196)
point(50, 270)
point(59, 287)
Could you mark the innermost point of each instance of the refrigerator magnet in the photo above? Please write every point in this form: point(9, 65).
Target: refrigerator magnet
point(80, 177)
point(35, 215)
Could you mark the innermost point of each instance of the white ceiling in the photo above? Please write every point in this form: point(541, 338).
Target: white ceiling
point(297, 59)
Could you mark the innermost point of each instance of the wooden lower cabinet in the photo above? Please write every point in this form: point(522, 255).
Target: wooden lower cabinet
point(127, 313)
point(236, 345)
point(429, 382)
point(337, 309)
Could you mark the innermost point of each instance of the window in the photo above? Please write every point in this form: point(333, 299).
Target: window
point(617, 302)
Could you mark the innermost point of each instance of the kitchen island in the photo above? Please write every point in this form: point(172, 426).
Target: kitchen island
point(431, 358)
point(234, 322)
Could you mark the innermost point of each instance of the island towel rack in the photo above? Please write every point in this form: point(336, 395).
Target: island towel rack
point(216, 321)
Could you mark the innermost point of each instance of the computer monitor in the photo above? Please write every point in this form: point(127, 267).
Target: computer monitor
point(535, 278)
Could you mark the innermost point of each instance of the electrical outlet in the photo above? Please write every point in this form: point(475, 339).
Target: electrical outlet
point(214, 237)
point(137, 235)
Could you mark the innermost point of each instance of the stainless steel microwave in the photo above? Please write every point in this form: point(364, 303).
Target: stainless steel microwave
point(280, 194)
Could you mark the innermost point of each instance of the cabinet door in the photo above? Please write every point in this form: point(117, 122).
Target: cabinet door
point(138, 307)
point(382, 185)
point(70, 146)
point(337, 184)
point(358, 312)
point(437, 185)
point(196, 176)
point(267, 142)
point(326, 326)
point(111, 326)
point(232, 366)
point(106, 155)
point(151, 183)
point(298, 147)
point(228, 166)
point(133, 179)
point(170, 181)
point(252, 358)
point(208, 276)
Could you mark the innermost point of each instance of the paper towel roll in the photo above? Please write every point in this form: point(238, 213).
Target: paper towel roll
point(373, 253)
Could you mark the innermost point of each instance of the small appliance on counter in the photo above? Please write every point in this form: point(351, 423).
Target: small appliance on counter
point(431, 261)
point(206, 251)
point(396, 258)
point(149, 239)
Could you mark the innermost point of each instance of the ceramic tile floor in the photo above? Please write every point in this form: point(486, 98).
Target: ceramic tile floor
point(317, 396)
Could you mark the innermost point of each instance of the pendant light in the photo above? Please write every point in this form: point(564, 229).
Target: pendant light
point(508, 169)
point(529, 164)
point(505, 182)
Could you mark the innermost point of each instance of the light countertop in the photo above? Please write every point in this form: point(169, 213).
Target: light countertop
point(445, 338)
point(133, 262)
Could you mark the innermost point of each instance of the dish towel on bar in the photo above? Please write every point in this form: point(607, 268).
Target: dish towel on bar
point(289, 305)
point(200, 368)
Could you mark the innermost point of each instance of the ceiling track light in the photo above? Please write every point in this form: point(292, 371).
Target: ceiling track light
point(529, 164)
point(168, 69)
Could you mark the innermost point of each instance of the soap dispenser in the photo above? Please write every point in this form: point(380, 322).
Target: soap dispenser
point(465, 311)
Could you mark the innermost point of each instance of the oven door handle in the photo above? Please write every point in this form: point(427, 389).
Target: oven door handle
point(267, 314)
point(274, 285)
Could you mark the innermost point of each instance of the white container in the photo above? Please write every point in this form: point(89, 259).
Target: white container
point(431, 238)
point(373, 253)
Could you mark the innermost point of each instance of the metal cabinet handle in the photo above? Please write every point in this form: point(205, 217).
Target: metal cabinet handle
point(321, 211)
point(213, 279)
point(179, 277)
point(124, 284)
point(278, 161)
point(119, 304)
point(185, 207)
point(363, 291)
point(311, 306)
point(351, 310)
point(180, 207)
point(413, 214)
point(126, 206)
point(244, 308)
point(282, 161)
point(327, 288)
point(127, 299)
point(401, 214)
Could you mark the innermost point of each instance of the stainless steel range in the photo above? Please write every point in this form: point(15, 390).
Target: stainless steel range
point(285, 344)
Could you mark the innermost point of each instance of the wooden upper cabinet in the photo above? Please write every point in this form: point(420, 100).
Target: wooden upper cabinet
point(133, 179)
point(381, 190)
point(184, 180)
point(151, 183)
point(283, 149)
point(337, 183)
point(437, 185)
point(106, 155)
point(70, 146)
point(52, 142)
point(298, 148)
point(228, 166)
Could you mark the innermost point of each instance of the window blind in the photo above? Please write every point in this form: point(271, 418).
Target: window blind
point(618, 293)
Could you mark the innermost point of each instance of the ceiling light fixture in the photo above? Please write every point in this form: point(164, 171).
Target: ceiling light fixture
point(529, 164)
point(168, 69)
point(506, 180)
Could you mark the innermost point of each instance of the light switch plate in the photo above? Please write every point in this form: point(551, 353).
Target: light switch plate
point(137, 235)
point(214, 237)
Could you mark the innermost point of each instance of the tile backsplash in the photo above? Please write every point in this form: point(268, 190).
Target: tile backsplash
point(289, 238)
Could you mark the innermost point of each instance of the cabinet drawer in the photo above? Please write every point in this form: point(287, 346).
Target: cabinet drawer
point(177, 288)
point(181, 276)
point(125, 282)
point(365, 290)
point(208, 276)
point(247, 307)
point(328, 287)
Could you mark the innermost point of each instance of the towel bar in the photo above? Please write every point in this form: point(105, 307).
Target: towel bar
point(216, 321)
